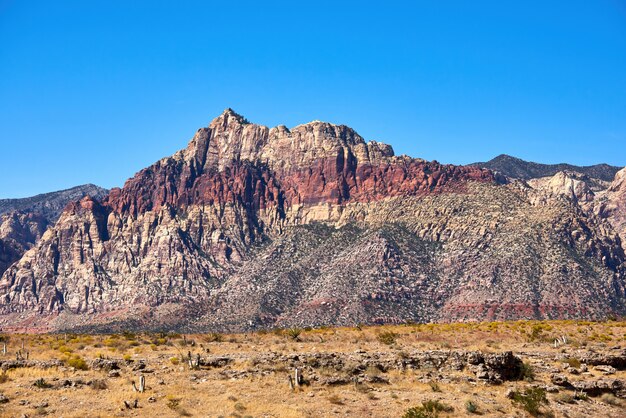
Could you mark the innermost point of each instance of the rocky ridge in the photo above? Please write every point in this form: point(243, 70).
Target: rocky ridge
point(525, 170)
point(24, 221)
point(254, 227)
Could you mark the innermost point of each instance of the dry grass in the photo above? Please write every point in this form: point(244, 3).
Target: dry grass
point(174, 390)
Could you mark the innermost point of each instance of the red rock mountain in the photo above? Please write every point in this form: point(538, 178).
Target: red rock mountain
point(253, 227)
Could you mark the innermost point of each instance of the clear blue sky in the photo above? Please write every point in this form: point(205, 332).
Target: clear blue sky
point(93, 91)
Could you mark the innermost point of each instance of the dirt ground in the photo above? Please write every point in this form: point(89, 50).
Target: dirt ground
point(379, 371)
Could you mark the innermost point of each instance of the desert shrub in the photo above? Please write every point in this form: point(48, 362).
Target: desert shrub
point(127, 357)
point(335, 400)
point(581, 396)
point(572, 362)
point(173, 403)
point(564, 398)
point(434, 386)
point(65, 349)
point(294, 333)
point(4, 377)
point(471, 407)
point(531, 400)
point(214, 337)
point(42, 384)
point(99, 384)
point(387, 337)
point(527, 372)
point(77, 362)
point(129, 335)
point(174, 360)
point(429, 409)
point(610, 399)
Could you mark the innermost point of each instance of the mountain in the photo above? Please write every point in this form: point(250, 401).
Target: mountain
point(255, 227)
point(24, 221)
point(50, 205)
point(516, 168)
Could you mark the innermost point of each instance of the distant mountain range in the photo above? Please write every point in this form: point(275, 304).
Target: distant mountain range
point(254, 227)
point(517, 168)
point(23, 221)
point(50, 205)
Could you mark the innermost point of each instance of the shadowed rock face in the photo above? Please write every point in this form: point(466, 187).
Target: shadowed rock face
point(256, 227)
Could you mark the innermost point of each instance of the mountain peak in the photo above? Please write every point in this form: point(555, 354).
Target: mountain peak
point(229, 116)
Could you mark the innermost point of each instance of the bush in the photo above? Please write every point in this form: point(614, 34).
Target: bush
point(429, 409)
point(175, 361)
point(572, 362)
point(564, 398)
point(294, 333)
point(214, 337)
point(471, 407)
point(42, 384)
point(77, 363)
point(387, 337)
point(527, 372)
point(99, 384)
point(531, 400)
point(434, 386)
point(610, 399)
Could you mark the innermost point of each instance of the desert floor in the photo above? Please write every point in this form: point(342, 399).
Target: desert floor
point(578, 367)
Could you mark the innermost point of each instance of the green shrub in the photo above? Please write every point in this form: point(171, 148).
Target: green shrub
point(42, 384)
point(531, 400)
point(429, 409)
point(294, 333)
point(471, 407)
point(527, 372)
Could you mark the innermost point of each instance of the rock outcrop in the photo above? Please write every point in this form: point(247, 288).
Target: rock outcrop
point(254, 227)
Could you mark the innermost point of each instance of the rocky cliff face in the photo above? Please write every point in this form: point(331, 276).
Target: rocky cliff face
point(23, 221)
point(611, 204)
point(257, 227)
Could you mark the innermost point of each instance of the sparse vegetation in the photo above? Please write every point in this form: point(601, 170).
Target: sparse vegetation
point(428, 409)
point(387, 337)
point(351, 367)
point(531, 400)
point(471, 407)
point(527, 372)
point(294, 333)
